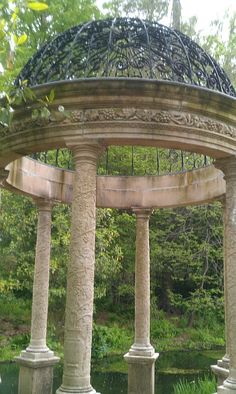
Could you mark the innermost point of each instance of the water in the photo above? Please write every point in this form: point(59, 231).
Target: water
point(110, 375)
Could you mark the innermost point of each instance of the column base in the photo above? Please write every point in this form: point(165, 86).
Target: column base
point(228, 387)
point(141, 373)
point(221, 370)
point(142, 351)
point(62, 390)
point(225, 390)
point(36, 372)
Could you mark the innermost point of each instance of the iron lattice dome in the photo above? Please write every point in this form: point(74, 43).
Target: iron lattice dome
point(125, 48)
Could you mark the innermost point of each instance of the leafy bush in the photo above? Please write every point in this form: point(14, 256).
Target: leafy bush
point(204, 339)
point(15, 310)
point(20, 341)
point(163, 328)
point(109, 340)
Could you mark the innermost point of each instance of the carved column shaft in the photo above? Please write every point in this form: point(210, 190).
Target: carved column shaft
point(228, 166)
point(41, 279)
point(80, 277)
point(230, 266)
point(37, 361)
point(227, 340)
point(142, 280)
point(141, 356)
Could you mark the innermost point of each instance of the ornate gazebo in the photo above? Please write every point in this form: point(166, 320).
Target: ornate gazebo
point(121, 82)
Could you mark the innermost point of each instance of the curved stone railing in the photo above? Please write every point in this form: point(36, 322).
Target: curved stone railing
point(35, 179)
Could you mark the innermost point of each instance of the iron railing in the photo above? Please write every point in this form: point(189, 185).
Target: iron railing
point(132, 160)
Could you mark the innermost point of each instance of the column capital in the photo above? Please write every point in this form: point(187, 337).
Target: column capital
point(87, 150)
point(43, 204)
point(143, 213)
point(228, 166)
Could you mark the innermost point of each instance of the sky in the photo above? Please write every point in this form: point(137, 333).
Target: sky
point(205, 10)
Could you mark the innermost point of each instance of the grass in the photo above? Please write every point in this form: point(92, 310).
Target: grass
point(200, 386)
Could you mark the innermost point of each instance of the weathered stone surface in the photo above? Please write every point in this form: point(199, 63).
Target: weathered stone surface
point(141, 357)
point(142, 346)
point(36, 377)
point(150, 113)
point(141, 374)
point(228, 166)
point(36, 363)
point(200, 186)
point(80, 277)
point(41, 279)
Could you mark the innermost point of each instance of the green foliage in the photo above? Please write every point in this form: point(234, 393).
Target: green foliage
point(204, 338)
point(221, 43)
point(186, 257)
point(109, 340)
point(163, 328)
point(24, 28)
point(20, 341)
point(200, 386)
point(17, 244)
point(15, 310)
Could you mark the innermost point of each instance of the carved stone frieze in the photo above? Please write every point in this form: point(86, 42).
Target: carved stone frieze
point(132, 115)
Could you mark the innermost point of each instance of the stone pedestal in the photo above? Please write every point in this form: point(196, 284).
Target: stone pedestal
point(37, 361)
point(36, 372)
point(228, 166)
point(141, 357)
point(80, 277)
point(141, 373)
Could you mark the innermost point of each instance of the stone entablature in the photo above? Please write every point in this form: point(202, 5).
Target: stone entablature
point(126, 112)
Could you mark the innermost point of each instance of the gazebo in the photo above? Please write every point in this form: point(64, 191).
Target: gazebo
point(122, 82)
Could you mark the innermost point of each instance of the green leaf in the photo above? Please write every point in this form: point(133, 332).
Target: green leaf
point(21, 40)
point(37, 6)
point(51, 95)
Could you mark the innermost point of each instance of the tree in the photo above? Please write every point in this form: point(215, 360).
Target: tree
point(146, 9)
point(176, 15)
point(24, 29)
point(221, 44)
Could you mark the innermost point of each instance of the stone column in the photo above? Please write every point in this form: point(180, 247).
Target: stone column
point(221, 370)
point(228, 166)
point(36, 362)
point(141, 357)
point(80, 278)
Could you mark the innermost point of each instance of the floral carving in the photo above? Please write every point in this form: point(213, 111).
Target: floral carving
point(172, 118)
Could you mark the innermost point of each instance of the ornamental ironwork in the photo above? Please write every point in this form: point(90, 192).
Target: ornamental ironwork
point(125, 48)
point(132, 160)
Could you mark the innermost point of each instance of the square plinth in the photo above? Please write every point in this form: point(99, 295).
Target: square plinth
point(141, 374)
point(36, 372)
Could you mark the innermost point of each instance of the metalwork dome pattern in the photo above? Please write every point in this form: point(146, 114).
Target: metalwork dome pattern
point(125, 48)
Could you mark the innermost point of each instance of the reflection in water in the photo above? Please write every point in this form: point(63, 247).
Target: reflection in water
point(110, 376)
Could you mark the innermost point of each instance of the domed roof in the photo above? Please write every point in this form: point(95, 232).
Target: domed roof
point(125, 48)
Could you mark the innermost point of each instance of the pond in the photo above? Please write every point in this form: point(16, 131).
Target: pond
point(110, 375)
